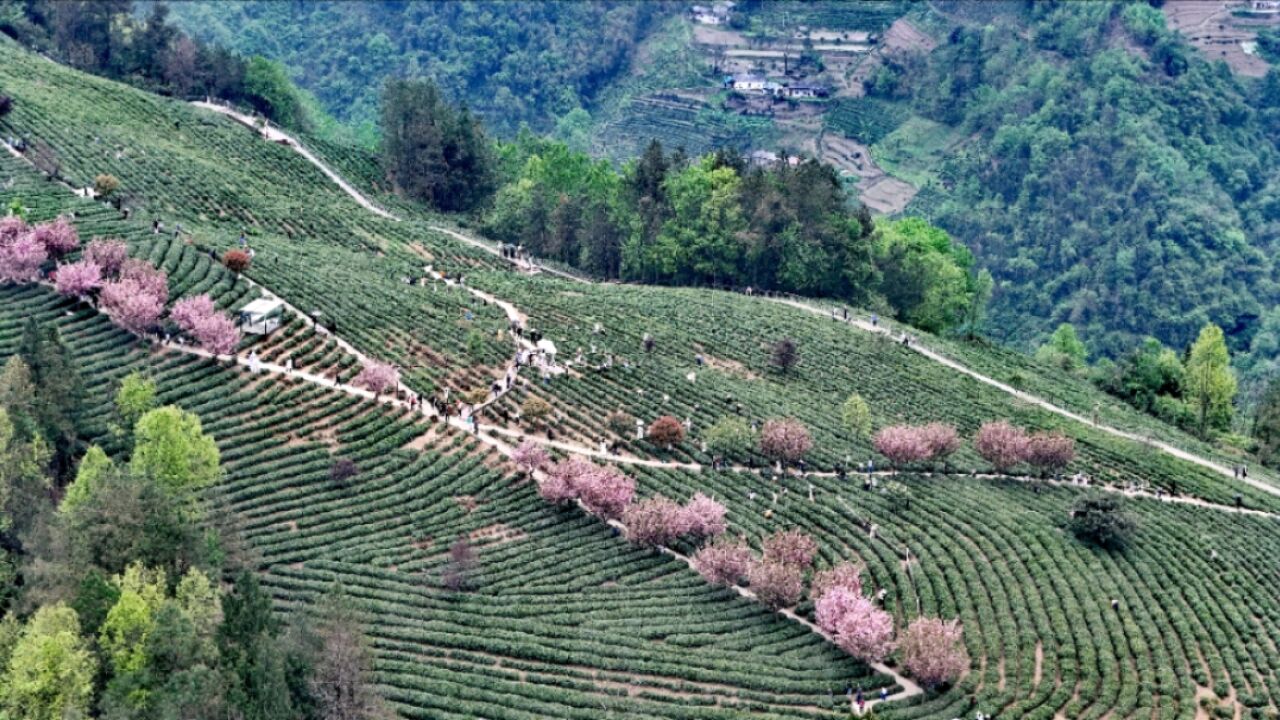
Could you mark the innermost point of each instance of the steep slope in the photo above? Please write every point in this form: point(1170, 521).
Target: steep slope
point(570, 621)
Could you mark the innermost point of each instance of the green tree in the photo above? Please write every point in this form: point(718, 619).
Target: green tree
point(58, 390)
point(18, 395)
point(51, 669)
point(129, 623)
point(1210, 382)
point(23, 481)
point(730, 436)
point(171, 448)
point(135, 397)
point(256, 679)
point(924, 275)
point(1064, 350)
point(268, 89)
point(856, 415)
point(93, 466)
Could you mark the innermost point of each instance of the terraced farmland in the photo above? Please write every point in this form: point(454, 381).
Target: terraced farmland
point(568, 619)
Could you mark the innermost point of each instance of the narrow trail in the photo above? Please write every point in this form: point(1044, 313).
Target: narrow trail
point(274, 134)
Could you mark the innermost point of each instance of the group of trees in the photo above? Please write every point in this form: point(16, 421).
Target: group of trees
point(715, 220)
point(106, 38)
point(113, 566)
point(1195, 390)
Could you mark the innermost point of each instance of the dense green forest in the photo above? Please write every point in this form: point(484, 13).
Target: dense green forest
point(1113, 178)
point(512, 62)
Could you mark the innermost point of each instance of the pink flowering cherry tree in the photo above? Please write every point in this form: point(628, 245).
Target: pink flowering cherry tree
point(857, 625)
point(21, 258)
point(941, 440)
point(529, 457)
point(109, 255)
point(654, 521)
point(1050, 452)
point(775, 584)
point(11, 226)
point(785, 439)
point(847, 575)
point(58, 237)
point(1001, 444)
point(378, 377)
point(129, 305)
point(152, 281)
point(933, 651)
point(605, 492)
point(723, 562)
point(901, 444)
point(216, 333)
point(188, 310)
point(790, 547)
point(704, 516)
point(78, 279)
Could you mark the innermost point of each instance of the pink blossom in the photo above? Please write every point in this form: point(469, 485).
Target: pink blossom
point(858, 626)
point(1050, 452)
point(59, 237)
point(78, 278)
point(378, 377)
point(933, 651)
point(723, 562)
point(703, 516)
point(785, 439)
point(790, 547)
point(529, 456)
point(940, 439)
point(130, 305)
point(11, 226)
point(152, 281)
point(187, 311)
point(775, 584)
point(902, 444)
point(1002, 444)
point(107, 254)
point(21, 258)
point(847, 575)
point(654, 521)
point(606, 492)
point(216, 333)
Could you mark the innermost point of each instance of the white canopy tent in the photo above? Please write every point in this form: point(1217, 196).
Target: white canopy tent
point(262, 316)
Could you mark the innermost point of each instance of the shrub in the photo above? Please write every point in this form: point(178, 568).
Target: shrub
point(620, 423)
point(535, 409)
point(786, 440)
point(459, 571)
point(933, 651)
point(790, 547)
point(1001, 444)
point(666, 431)
point(1100, 518)
point(730, 436)
point(858, 626)
point(237, 261)
point(104, 185)
point(723, 562)
point(775, 584)
point(342, 470)
point(784, 355)
point(6, 105)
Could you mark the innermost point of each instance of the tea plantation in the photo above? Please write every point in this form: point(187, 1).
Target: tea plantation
point(565, 617)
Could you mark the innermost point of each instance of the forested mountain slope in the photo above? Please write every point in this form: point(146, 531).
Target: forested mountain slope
point(513, 62)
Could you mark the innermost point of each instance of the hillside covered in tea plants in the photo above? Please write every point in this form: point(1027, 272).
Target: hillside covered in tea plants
point(709, 504)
